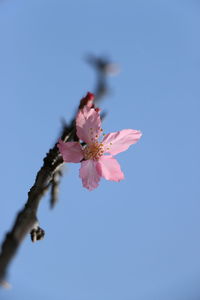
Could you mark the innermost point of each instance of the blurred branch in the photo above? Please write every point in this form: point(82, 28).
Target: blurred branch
point(103, 68)
point(55, 187)
point(48, 177)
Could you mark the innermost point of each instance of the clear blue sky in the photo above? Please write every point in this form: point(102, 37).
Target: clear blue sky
point(137, 239)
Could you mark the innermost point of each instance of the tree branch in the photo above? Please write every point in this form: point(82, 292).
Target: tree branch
point(47, 177)
point(26, 219)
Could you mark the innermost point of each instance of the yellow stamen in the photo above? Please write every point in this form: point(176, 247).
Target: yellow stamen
point(93, 151)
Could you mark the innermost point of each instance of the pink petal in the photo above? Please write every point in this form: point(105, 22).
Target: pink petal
point(71, 151)
point(119, 141)
point(89, 175)
point(109, 168)
point(88, 124)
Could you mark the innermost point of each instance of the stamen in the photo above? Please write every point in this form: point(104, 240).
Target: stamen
point(93, 151)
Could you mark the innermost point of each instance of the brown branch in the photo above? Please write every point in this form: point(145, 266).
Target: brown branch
point(47, 177)
point(26, 219)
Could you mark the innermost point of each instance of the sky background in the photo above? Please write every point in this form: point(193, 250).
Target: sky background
point(137, 239)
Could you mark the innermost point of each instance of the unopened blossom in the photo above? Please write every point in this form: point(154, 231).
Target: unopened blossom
point(96, 154)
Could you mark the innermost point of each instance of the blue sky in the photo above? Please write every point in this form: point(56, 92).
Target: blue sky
point(137, 239)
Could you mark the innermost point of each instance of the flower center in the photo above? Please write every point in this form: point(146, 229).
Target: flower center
point(93, 151)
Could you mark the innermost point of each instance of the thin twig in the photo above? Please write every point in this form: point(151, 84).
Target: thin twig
point(55, 187)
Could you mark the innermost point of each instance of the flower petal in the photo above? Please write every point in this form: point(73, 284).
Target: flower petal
point(119, 141)
point(71, 151)
point(89, 175)
point(88, 124)
point(109, 168)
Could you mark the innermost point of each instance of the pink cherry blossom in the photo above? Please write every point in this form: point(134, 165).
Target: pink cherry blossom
point(95, 155)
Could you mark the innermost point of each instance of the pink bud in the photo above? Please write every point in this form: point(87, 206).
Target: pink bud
point(87, 100)
point(90, 96)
